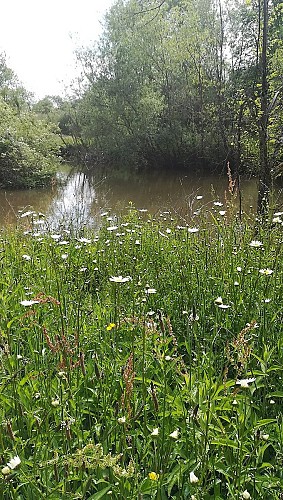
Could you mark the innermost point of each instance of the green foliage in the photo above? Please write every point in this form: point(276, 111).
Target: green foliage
point(142, 361)
point(151, 89)
point(27, 149)
point(179, 83)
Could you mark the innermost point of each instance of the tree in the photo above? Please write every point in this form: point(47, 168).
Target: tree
point(264, 170)
point(151, 90)
point(182, 83)
point(29, 147)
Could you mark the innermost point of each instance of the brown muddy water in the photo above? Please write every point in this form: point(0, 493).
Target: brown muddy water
point(81, 198)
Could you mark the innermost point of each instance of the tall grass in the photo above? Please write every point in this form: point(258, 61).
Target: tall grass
point(143, 361)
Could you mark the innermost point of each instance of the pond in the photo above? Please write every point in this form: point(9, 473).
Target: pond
point(81, 197)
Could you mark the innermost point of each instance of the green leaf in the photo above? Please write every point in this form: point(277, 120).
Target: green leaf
point(277, 394)
point(100, 494)
point(265, 421)
point(225, 442)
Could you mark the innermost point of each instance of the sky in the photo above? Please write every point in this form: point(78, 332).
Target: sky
point(39, 38)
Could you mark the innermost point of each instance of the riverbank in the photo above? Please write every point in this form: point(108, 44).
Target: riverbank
point(142, 361)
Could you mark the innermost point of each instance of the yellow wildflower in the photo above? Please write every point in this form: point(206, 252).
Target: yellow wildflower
point(153, 476)
point(110, 327)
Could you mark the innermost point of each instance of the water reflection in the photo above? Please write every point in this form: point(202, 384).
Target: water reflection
point(82, 197)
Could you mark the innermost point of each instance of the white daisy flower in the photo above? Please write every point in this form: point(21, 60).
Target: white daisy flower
point(174, 434)
point(119, 279)
point(218, 301)
point(256, 244)
point(14, 462)
point(193, 478)
point(155, 431)
point(27, 303)
point(26, 257)
point(244, 383)
point(266, 272)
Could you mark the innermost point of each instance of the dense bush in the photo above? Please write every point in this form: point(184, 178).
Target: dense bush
point(28, 149)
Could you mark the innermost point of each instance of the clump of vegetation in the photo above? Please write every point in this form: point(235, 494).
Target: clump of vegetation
point(144, 360)
point(29, 147)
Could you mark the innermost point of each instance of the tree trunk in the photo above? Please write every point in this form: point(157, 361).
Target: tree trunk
point(264, 167)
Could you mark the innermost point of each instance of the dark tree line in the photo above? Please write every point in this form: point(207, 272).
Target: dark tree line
point(191, 83)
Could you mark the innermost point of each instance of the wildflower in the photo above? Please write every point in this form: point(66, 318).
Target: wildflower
point(222, 212)
point(193, 317)
point(153, 476)
point(239, 269)
point(266, 272)
point(199, 197)
point(64, 256)
point(174, 434)
point(265, 437)
point(193, 497)
point(84, 240)
point(14, 462)
point(218, 301)
point(150, 290)
point(272, 402)
point(27, 303)
point(121, 420)
point(155, 432)
point(244, 383)
point(193, 230)
point(167, 358)
point(246, 495)
point(218, 204)
point(6, 470)
point(26, 257)
point(110, 327)
point(26, 214)
point(193, 478)
point(267, 301)
point(255, 244)
point(223, 306)
point(120, 279)
point(236, 283)
point(276, 220)
point(55, 402)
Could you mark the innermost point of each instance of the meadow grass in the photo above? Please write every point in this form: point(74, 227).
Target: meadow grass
point(142, 361)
